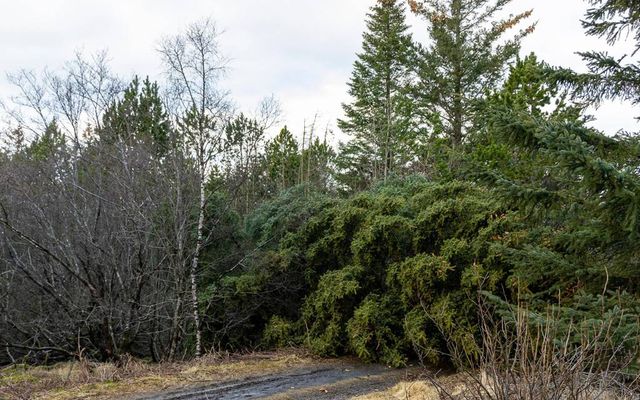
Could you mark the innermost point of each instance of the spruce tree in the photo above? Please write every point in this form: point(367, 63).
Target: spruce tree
point(319, 157)
point(466, 58)
point(575, 189)
point(609, 77)
point(282, 160)
point(379, 118)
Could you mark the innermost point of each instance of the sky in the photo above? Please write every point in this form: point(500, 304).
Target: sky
point(301, 51)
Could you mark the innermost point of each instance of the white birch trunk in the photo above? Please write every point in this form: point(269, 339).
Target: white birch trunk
point(195, 261)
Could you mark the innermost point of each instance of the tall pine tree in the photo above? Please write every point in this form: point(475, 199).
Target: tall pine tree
point(466, 58)
point(379, 118)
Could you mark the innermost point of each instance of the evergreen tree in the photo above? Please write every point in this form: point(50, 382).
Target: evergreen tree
point(609, 78)
point(282, 160)
point(354, 164)
point(528, 88)
point(48, 144)
point(466, 58)
point(139, 117)
point(576, 188)
point(380, 116)
point(243, 159)
point(318, 158)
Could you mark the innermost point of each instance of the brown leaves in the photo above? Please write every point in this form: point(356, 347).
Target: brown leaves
point(416, 7)
point(515, 20)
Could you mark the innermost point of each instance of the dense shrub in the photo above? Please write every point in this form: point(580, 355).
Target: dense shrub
point(396, 273)
point(385, 275)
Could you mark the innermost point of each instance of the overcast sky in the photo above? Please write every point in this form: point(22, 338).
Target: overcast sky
point(299, 50)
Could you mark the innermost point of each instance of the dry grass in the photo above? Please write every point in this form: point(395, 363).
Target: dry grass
point(83, 380)
point(529, 356)
point(418, 390)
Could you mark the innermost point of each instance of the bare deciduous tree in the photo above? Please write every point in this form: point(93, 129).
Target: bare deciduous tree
point(194, 65)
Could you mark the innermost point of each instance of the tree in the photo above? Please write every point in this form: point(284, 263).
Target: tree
point(530, 89)
point(84, 251)
point(466, 58)
point(244, 162)
point(47, 144)
point(380, 116)
point(609, 78)
point(283, 160)
point(575, 189)
point(138, 117)
point(75, 98)
point(195, 65)
point(318, 156)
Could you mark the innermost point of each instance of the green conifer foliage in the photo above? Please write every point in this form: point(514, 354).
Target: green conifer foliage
point(466, 57)
point(386, 275)
point(48, 144)
point(577, 188)
point(609, 77)
point(283, 160)
point(380, 118)
point(138, 117)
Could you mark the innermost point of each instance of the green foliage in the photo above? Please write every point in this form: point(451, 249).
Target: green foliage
point(286, 213)
point(394, 272)
point(418, 330)
point(582, 197)
point(317, 168)
point(381, 116)
point(609, 77)
point(50, 143)
point(419, 275)
point(279, 333)
point(282, 157)
point(138, 117)
point(365, 275)
point(375, 331)
point(465, 59)
point(323, 312)
point(224, 229)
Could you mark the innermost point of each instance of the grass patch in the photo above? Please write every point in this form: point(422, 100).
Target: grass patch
point(418, 390)
point(84, 380)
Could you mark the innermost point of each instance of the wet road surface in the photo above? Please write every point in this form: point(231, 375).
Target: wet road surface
point(330, 381)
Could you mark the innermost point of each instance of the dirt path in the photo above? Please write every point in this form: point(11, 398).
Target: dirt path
point(326, 381)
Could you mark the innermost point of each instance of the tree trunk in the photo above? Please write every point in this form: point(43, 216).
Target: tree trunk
point(194, 263)
point(458, 111)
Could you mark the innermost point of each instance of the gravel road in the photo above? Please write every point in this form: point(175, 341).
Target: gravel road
point(325, 381)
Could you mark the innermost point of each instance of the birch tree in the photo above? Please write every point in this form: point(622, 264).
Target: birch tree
point(194, 65)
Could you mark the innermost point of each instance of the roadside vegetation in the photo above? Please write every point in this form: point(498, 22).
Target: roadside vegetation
point(86, 379)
